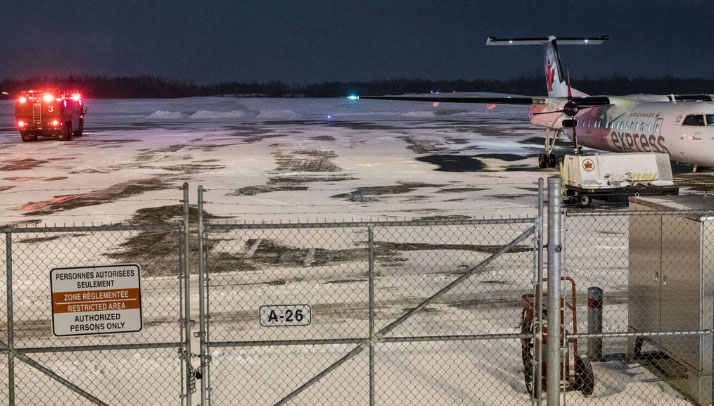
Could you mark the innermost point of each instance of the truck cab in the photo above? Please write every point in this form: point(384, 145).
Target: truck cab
point(49, 113)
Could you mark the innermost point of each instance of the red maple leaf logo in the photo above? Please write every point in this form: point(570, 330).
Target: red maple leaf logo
point(549, 76)
point(588, 165)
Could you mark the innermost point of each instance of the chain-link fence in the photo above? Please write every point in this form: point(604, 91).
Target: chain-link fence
point(646, 279)
point(380, 313)
point(47, 368)
point(369, 313)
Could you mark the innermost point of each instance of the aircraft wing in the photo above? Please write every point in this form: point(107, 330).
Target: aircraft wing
point(461, 99)
point(522, 100)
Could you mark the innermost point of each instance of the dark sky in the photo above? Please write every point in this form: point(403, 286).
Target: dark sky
point(313, 41)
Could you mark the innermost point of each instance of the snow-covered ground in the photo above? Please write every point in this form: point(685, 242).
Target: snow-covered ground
point(293, 160)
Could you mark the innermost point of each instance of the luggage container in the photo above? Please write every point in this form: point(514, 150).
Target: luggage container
point(614, 177)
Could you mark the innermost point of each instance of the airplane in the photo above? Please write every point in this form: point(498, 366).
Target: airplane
point(679, 125)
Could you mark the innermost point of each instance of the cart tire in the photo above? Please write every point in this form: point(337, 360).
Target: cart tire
point(584, 377)
point(26, 137)
point(584, 200)
point(527, 326)
point(78, 133)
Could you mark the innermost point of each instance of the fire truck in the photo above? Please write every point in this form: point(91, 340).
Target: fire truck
point(49, 113)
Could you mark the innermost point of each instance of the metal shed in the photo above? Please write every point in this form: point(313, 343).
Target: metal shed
point(671, 285)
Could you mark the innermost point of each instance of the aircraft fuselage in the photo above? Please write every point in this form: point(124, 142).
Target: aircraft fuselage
point(684, 130)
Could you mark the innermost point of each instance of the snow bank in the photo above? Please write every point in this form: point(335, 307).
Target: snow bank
point(277, 115)
point(217, 114)
point(419, 114)
point(166, 115)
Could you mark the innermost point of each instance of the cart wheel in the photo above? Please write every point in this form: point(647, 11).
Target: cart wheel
point(584, 200)
point(26, 137)
point(584, 378)
point(527, 326)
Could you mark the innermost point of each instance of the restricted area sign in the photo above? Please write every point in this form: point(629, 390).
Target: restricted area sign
point(96, 300)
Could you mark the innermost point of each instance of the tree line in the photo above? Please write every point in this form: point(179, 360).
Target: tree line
point(102, 87)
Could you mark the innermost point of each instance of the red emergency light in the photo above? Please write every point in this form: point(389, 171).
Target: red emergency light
point(20, 123)
point(22, 99)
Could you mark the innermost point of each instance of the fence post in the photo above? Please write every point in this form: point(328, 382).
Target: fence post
point(10, 327)
point(554, 322)
point(370, 240)
point(201, 308)
point(595, 296)
point(538, 349)
point(187, 296)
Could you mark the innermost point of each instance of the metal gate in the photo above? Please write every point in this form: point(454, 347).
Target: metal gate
point(143, 367)
point(366, 313)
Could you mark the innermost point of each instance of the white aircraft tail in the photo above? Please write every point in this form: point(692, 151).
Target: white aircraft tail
point(556, 80)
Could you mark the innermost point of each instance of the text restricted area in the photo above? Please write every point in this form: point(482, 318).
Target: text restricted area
point(96, 300)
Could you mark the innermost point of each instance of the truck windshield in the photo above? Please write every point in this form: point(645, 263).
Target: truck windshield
point(710, 119)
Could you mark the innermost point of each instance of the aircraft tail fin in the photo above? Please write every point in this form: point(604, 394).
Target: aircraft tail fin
point(556, 79)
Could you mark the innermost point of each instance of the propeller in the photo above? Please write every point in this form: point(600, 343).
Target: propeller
point(570, 109)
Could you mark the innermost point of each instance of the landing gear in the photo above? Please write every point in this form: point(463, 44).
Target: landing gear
point(548, 159)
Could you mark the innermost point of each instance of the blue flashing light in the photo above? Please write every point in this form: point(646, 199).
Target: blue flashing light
point(329, 116)
point(353, 97)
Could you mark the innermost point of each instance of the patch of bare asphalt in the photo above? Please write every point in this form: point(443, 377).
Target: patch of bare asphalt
point(453, 163)
point(22, 178)
point(188, 168)
point(311, 160)
point(511, 196)
point(443, 218)
point(323, 138)
point(461, 189)
point(97, 197)
point(309, 179)
point(21, 164)
point(287, 183)
point(360, 125)
point(368, 193)
point(423, 146)
point(160, 153)
point(256, 253)
point(157, 250)
point(539, 141)
point(504, 157)
point(254, 190)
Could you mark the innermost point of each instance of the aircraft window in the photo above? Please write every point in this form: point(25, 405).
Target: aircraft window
point(697, 120)
point(649, 127)
point(588, 122)
point(607, 124)
point(619, 125)
point(627, 126)
point(642, 127)
point(657, 127)
point(710, 119)
point(632, 126)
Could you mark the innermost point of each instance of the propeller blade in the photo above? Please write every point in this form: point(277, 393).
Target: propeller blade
point(548, 112)
point(570, 93)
